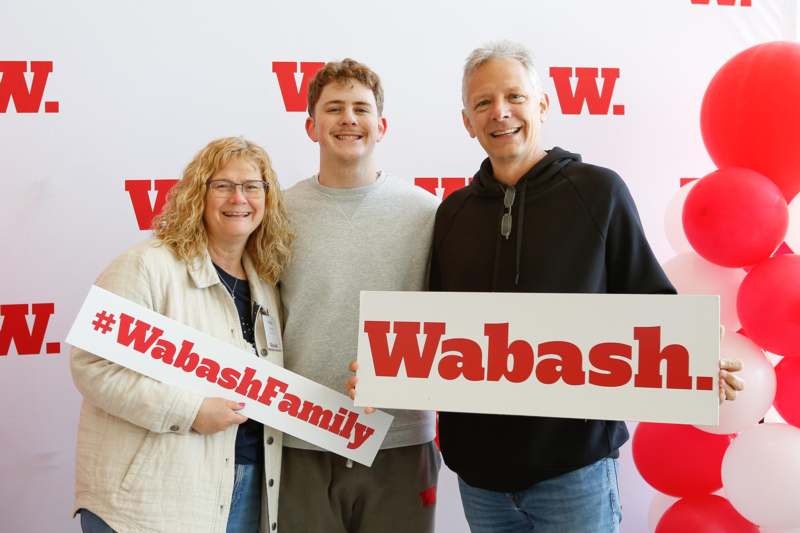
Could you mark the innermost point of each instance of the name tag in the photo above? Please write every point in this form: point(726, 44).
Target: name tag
point(272, 333)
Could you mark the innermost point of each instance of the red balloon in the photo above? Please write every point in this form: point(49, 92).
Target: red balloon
point(679, 460)
point(751, 114)
point(704, 514)
point(735, 217)
point(768, 304)
point(787, 393)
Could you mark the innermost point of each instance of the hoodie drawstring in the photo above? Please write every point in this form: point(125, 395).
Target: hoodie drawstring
point(552, 169)
point(520, 231)
point(486, 188)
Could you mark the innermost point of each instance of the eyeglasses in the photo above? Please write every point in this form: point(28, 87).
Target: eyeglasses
point(226, 188)
point(508, 202)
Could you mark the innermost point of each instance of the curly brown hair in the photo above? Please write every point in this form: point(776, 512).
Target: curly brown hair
point(180, 225)
point(341, 71)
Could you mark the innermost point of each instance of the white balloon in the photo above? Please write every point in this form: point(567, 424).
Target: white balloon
point(793, 232)
point(774, 358)
point(772, 415)
point(691, 274)
point(658, 506)
point(760, 474)
point(754, 401)
point(673, 220)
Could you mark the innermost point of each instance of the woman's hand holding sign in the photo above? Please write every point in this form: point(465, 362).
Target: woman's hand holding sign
point(217, 414)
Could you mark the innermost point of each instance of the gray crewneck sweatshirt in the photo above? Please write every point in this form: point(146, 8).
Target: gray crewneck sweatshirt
point(376, 237)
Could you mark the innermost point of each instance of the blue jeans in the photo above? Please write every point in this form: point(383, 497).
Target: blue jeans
point(583, 501)
point(245, 505)
point(245, 512)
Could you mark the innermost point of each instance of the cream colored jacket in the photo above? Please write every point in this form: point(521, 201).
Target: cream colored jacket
point(140, 467)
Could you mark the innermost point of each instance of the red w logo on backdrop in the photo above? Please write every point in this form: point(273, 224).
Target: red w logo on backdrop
point(143, 207)
point(14, 86)
point(447, 185)
point(742, 3)
point(295, 98)
point(597, 99)
point(27, 340)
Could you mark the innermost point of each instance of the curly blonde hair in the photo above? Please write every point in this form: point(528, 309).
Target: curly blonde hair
point(180, 225)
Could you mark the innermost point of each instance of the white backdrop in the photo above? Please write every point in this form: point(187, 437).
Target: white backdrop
point(141, 86)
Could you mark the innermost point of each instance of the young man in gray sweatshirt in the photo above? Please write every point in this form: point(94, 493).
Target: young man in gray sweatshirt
point(356, 229)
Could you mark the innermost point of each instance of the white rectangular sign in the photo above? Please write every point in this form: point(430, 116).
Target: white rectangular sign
point(595, 356)
point(138, 338)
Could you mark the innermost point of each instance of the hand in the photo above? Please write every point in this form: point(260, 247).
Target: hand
point(216, 414)
point(350, 387)
point(728, 383)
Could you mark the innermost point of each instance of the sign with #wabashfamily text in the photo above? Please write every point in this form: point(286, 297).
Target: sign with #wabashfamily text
point(147, 342)
point(594, 356)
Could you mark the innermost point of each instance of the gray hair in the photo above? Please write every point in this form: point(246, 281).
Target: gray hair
point(500, 50)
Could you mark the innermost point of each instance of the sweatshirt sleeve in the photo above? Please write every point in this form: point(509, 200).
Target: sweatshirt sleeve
point(119, 391)
point(434, 274)
point(631, 265)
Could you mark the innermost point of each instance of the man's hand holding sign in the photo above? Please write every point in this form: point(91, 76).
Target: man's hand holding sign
point(729, 384)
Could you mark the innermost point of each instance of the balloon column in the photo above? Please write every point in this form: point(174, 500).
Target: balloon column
point(735, 220)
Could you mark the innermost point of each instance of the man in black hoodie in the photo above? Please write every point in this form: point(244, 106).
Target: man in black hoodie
point(535, 221)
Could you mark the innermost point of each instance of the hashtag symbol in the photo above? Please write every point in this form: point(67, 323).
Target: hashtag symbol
point(103, 322)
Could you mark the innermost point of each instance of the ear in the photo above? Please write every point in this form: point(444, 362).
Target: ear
point(467, 124)
point(311, 129)
point(544, 106)
point(382, 125)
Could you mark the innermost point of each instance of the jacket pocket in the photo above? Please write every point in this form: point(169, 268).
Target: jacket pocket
point(138, 468)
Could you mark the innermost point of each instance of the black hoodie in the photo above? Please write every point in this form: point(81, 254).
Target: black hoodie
point(575, 229)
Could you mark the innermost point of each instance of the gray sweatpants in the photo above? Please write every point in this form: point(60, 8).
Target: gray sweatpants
point(321, 494)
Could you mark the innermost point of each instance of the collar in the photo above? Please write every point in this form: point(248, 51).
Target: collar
point(202, 271)
point(204, 275)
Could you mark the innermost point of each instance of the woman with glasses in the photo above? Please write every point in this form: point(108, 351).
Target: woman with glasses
point(153, 457)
